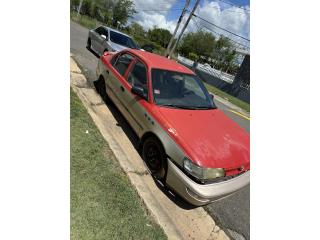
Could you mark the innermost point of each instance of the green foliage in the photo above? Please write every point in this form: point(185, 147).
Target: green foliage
point(193, 56)
point(84, 20)
point(216, 52)
point(160, 36)
point(200, 43)
point(122, 10)
point(136, 29)
point(109, 12)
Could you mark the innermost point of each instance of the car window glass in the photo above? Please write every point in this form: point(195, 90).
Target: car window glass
point(179, 90)
point(99, 30)
point(138, 77)
point(123, 40)
point(105, 32)
point(123, 63)
point(114, 59)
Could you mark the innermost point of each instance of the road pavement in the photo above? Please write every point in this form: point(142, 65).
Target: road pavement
point(232, 213)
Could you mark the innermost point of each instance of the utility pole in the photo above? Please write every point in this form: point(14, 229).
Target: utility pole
point(177, 27)
point(79, 8)
point(184, 27)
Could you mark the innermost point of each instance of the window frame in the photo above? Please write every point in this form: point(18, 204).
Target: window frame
point(119, 55)
point(133, 64)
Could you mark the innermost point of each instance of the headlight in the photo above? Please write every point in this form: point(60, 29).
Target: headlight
point(200, 172)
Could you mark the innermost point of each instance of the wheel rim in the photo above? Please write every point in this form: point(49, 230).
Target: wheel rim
point(153, 157)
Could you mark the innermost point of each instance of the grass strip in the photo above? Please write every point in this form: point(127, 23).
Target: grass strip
point(104, 204)
point(216, 91)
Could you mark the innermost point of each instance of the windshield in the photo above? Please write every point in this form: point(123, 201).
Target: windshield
point(123, 40)
point(180, 90)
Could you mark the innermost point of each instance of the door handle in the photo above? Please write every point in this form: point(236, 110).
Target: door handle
point(122, 88)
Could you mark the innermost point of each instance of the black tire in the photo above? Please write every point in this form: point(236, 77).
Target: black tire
point(155, 157)
point(100, 86)
point(89, 44)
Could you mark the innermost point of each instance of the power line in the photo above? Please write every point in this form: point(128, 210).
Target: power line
point(159, 10)
point(219, 34)
point(221, 27)
point(227, 37)
point(227, 10)
point(231, 4)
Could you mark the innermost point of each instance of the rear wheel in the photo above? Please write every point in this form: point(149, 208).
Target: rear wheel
point(100, 86)
point(155, 157)
point(89, 44)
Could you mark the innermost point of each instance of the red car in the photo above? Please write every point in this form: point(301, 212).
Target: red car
point(186, 142)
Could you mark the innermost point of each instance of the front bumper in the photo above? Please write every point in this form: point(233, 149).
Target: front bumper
point(198, 194)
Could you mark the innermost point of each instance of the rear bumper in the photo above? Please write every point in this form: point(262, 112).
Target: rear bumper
point(198, 194)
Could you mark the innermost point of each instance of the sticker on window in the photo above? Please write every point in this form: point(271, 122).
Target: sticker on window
point(156, 91)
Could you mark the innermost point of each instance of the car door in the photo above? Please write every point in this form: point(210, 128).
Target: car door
point(137, 76)
point(116, 83)
point(101, 41)
point(97, 40)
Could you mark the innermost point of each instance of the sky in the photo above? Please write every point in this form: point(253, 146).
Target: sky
point(165, 14)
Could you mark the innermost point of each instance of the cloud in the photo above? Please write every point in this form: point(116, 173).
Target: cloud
point(234, 19)
point(231, 18)
point(149, 19)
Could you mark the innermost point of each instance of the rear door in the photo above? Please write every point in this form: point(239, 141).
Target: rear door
point(116, 82)
point(97, 40)
point(101, 42)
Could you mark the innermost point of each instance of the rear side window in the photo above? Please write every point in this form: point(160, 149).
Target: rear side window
point(100, 30)
point(123, 63)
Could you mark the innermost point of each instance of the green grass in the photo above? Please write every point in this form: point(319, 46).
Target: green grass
point(245, 106)
point(84, 20)
point(104, 204)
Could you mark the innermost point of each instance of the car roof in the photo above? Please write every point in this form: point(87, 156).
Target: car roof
point(116, 31)
point(160, 62)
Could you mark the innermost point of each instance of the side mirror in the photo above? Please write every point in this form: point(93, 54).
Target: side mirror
point(138, 91)
point(211, 95)
point(103, 36)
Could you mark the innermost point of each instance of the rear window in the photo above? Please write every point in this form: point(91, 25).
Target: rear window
point(123, 40)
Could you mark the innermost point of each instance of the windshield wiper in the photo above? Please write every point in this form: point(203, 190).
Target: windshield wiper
point(186, 107)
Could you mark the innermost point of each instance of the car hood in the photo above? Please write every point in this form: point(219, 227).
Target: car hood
point(208, 137)
point(117, 47)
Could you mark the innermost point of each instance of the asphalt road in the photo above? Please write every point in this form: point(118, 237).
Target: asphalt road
point(232, 213)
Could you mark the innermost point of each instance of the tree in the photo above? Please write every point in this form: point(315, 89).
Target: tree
point(201, 43)
point(137, 30)
point(160, 35)
point(122, 10)
point(224, 55)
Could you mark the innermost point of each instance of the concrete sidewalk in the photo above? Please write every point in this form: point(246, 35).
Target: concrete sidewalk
point(177, 221)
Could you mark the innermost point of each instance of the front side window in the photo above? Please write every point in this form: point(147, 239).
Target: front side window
point(123, 40)
point(179, 90)
point(122, 63)
point(138, 77)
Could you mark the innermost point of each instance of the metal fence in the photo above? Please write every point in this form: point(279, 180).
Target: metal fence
point(218, 79)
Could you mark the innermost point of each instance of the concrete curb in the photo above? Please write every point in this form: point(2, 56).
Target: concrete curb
point(177, 222)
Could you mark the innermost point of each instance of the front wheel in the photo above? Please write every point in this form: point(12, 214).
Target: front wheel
point(155, 157)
